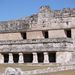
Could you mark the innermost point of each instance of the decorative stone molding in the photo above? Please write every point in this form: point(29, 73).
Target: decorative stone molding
point(38, 45)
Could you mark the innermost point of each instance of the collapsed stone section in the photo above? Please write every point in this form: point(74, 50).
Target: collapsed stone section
point(45, 19)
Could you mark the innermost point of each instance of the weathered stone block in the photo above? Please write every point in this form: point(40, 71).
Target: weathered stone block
point(57, 34)
point(35, 35)
point(10, 36)
point(73, 33)
point(63, 57)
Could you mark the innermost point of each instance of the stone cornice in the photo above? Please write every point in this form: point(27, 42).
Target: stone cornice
point(37, 45)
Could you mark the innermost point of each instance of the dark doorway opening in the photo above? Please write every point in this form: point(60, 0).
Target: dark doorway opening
point(28, 58)
point(68, 33)
point(45, 34)
point(40, 57)
point(24, 36)
point(6, 58)
point(52, 57)
point(15, 58)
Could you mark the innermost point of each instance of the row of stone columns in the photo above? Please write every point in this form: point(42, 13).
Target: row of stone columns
point(21, 58)
point(46, 58)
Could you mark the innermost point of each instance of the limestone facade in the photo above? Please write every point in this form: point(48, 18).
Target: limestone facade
point(45, 37)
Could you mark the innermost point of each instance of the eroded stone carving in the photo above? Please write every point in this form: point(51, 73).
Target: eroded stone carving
point(12, 71)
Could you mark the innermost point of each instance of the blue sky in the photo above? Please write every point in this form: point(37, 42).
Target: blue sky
point(14, 9)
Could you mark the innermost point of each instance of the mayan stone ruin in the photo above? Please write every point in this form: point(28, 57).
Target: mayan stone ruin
point(46, 37)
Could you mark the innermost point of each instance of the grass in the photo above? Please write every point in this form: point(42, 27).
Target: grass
point(24, 67)
point(28, 67)
point(69, 72)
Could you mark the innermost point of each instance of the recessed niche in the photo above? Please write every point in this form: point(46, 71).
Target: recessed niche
point(68, 33)
point(52, 57)
point(45, 34)
point(24, 36)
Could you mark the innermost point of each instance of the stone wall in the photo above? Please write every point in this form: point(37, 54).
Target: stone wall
point(37, 45)
point(62, 33)
point(64, 47)
point(57, 34)
point(10, 36)
point(73, 33)
point(63, 57)
point(35, 35)
point(55, 22)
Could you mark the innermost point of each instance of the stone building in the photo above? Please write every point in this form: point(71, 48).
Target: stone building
point(45, 37)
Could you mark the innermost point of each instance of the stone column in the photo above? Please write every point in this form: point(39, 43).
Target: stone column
point(46, 57)
point(1, 58)
point(35, 57)
point(21, 59)
point(10, 58)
